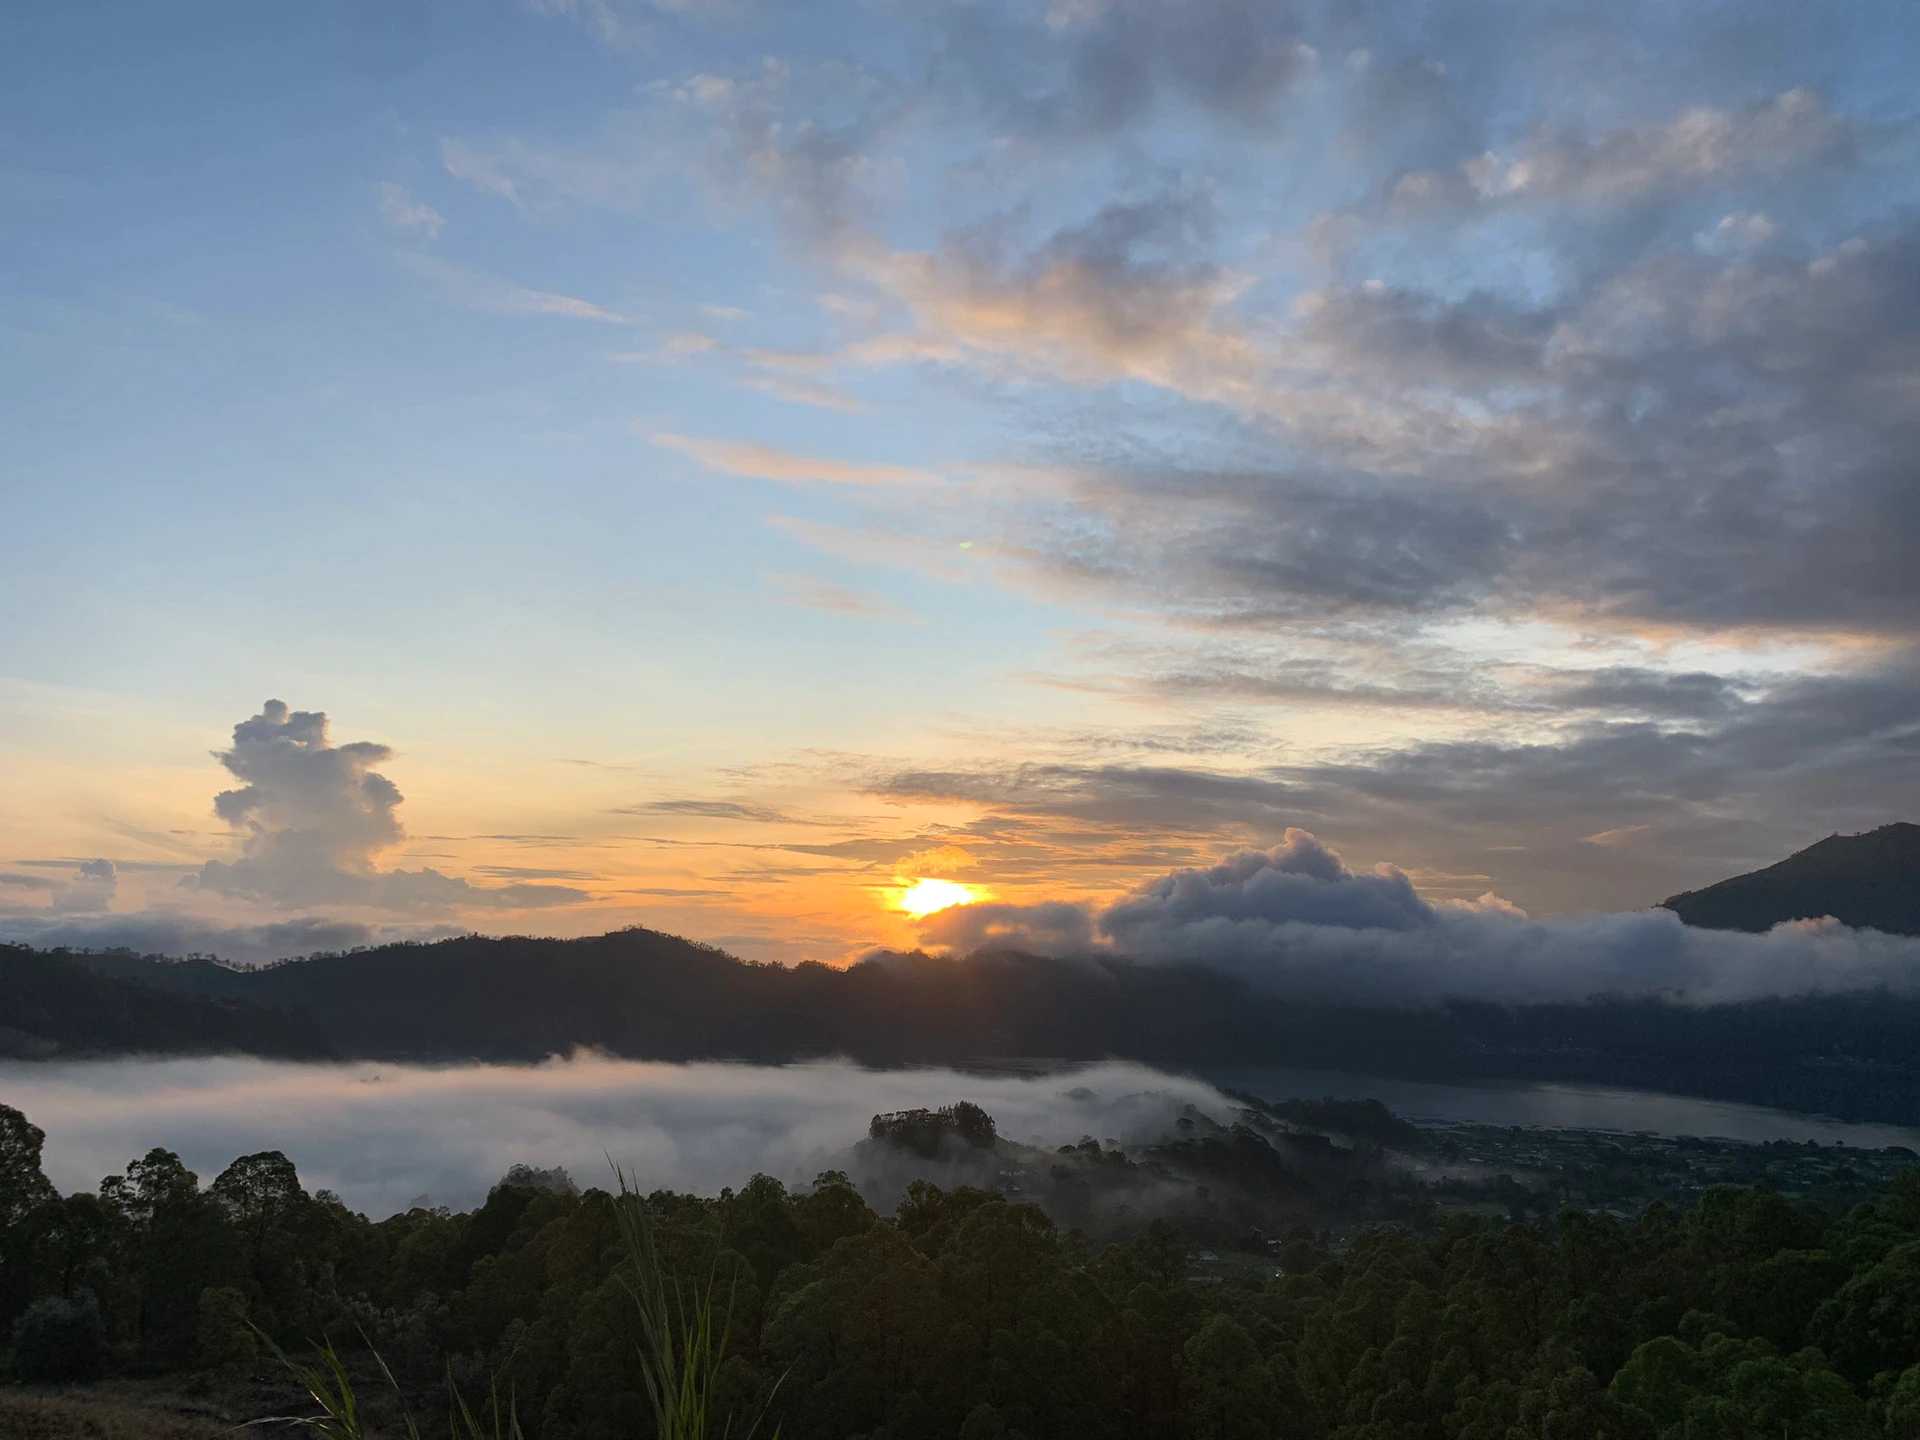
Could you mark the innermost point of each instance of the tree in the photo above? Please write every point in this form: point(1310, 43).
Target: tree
point(222, 1336)
point(1873, 1323)
point(258, 1192)
point(174, 1242)
point(60, 1338)
point(23, 1188)
point(1228, 1390)
point(855, 1332)
point(25, 1193)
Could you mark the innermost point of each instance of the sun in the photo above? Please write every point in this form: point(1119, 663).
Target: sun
point(924, 897)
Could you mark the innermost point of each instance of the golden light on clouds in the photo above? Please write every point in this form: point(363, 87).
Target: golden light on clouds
point(927, 896)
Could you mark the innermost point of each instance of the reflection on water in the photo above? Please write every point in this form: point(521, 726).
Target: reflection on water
point(1573, 1107)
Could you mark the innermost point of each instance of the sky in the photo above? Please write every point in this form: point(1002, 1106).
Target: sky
point(551, 465)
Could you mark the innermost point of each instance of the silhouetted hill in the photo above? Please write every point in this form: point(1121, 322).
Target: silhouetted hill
point(1869, 881)
point(50, 1005)
point(645, 995)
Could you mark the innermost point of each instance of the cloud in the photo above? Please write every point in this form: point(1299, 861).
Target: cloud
point(1048, 928)
point(763, 462)
point(805, 392)
point(1297, 920)
point(623, 25)
point(707, 810)
point(407, 215)
point(1693, 442)
point(1701, 145)
point(837, 599)
point(1739, 233)
point(312, 818)
point(1297, 880)
point(382, 1135)
point(799, 136)
point(88, 889)
point(687, 342)
point(478, 290)
point(1720, 784)
point(1095, 67)
point(1120, 296)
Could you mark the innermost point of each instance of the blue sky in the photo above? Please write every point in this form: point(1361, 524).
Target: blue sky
point(1037, 444)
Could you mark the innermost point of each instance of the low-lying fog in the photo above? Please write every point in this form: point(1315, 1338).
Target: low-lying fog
point(382, 1136)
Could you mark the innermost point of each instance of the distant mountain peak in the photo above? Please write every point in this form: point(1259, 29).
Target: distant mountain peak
point(1870, 881)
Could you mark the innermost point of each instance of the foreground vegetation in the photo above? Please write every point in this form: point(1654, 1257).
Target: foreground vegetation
point(969, 1314)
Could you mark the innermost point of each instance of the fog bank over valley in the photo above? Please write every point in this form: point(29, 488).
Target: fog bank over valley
point(382, 1136)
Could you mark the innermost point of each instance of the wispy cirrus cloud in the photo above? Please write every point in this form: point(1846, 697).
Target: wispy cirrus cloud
point(408, 215)
point(836, 599)
point(1701, 145)
point(477, 290)
point(765, 462)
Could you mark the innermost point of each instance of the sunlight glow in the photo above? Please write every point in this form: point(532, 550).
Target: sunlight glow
point(924, 897)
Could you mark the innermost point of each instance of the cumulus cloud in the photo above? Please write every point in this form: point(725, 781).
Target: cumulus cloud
point(313, 817)
point(380, 1136)
point(1298, 920)
point(1298, 880)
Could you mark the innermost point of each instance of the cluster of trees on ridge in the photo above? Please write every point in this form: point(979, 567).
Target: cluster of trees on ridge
point(968, 1314)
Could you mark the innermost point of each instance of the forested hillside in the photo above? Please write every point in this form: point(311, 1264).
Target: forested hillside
point(968, 1313)
point(1869, 881)
point(50, 1005)
point(643, 994)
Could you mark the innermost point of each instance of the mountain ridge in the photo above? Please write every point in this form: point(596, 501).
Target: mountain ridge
point(643, 995)
point(1870, 881)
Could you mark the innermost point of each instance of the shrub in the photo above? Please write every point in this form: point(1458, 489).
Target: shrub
point(60, 1339)
point(221, 1336)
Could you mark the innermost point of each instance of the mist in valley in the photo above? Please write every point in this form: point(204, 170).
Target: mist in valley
point(385, 1137)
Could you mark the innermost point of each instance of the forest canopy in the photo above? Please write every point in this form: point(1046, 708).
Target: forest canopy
point(970, 1313)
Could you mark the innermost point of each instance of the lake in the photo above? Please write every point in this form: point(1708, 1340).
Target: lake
point(1566, 1107)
